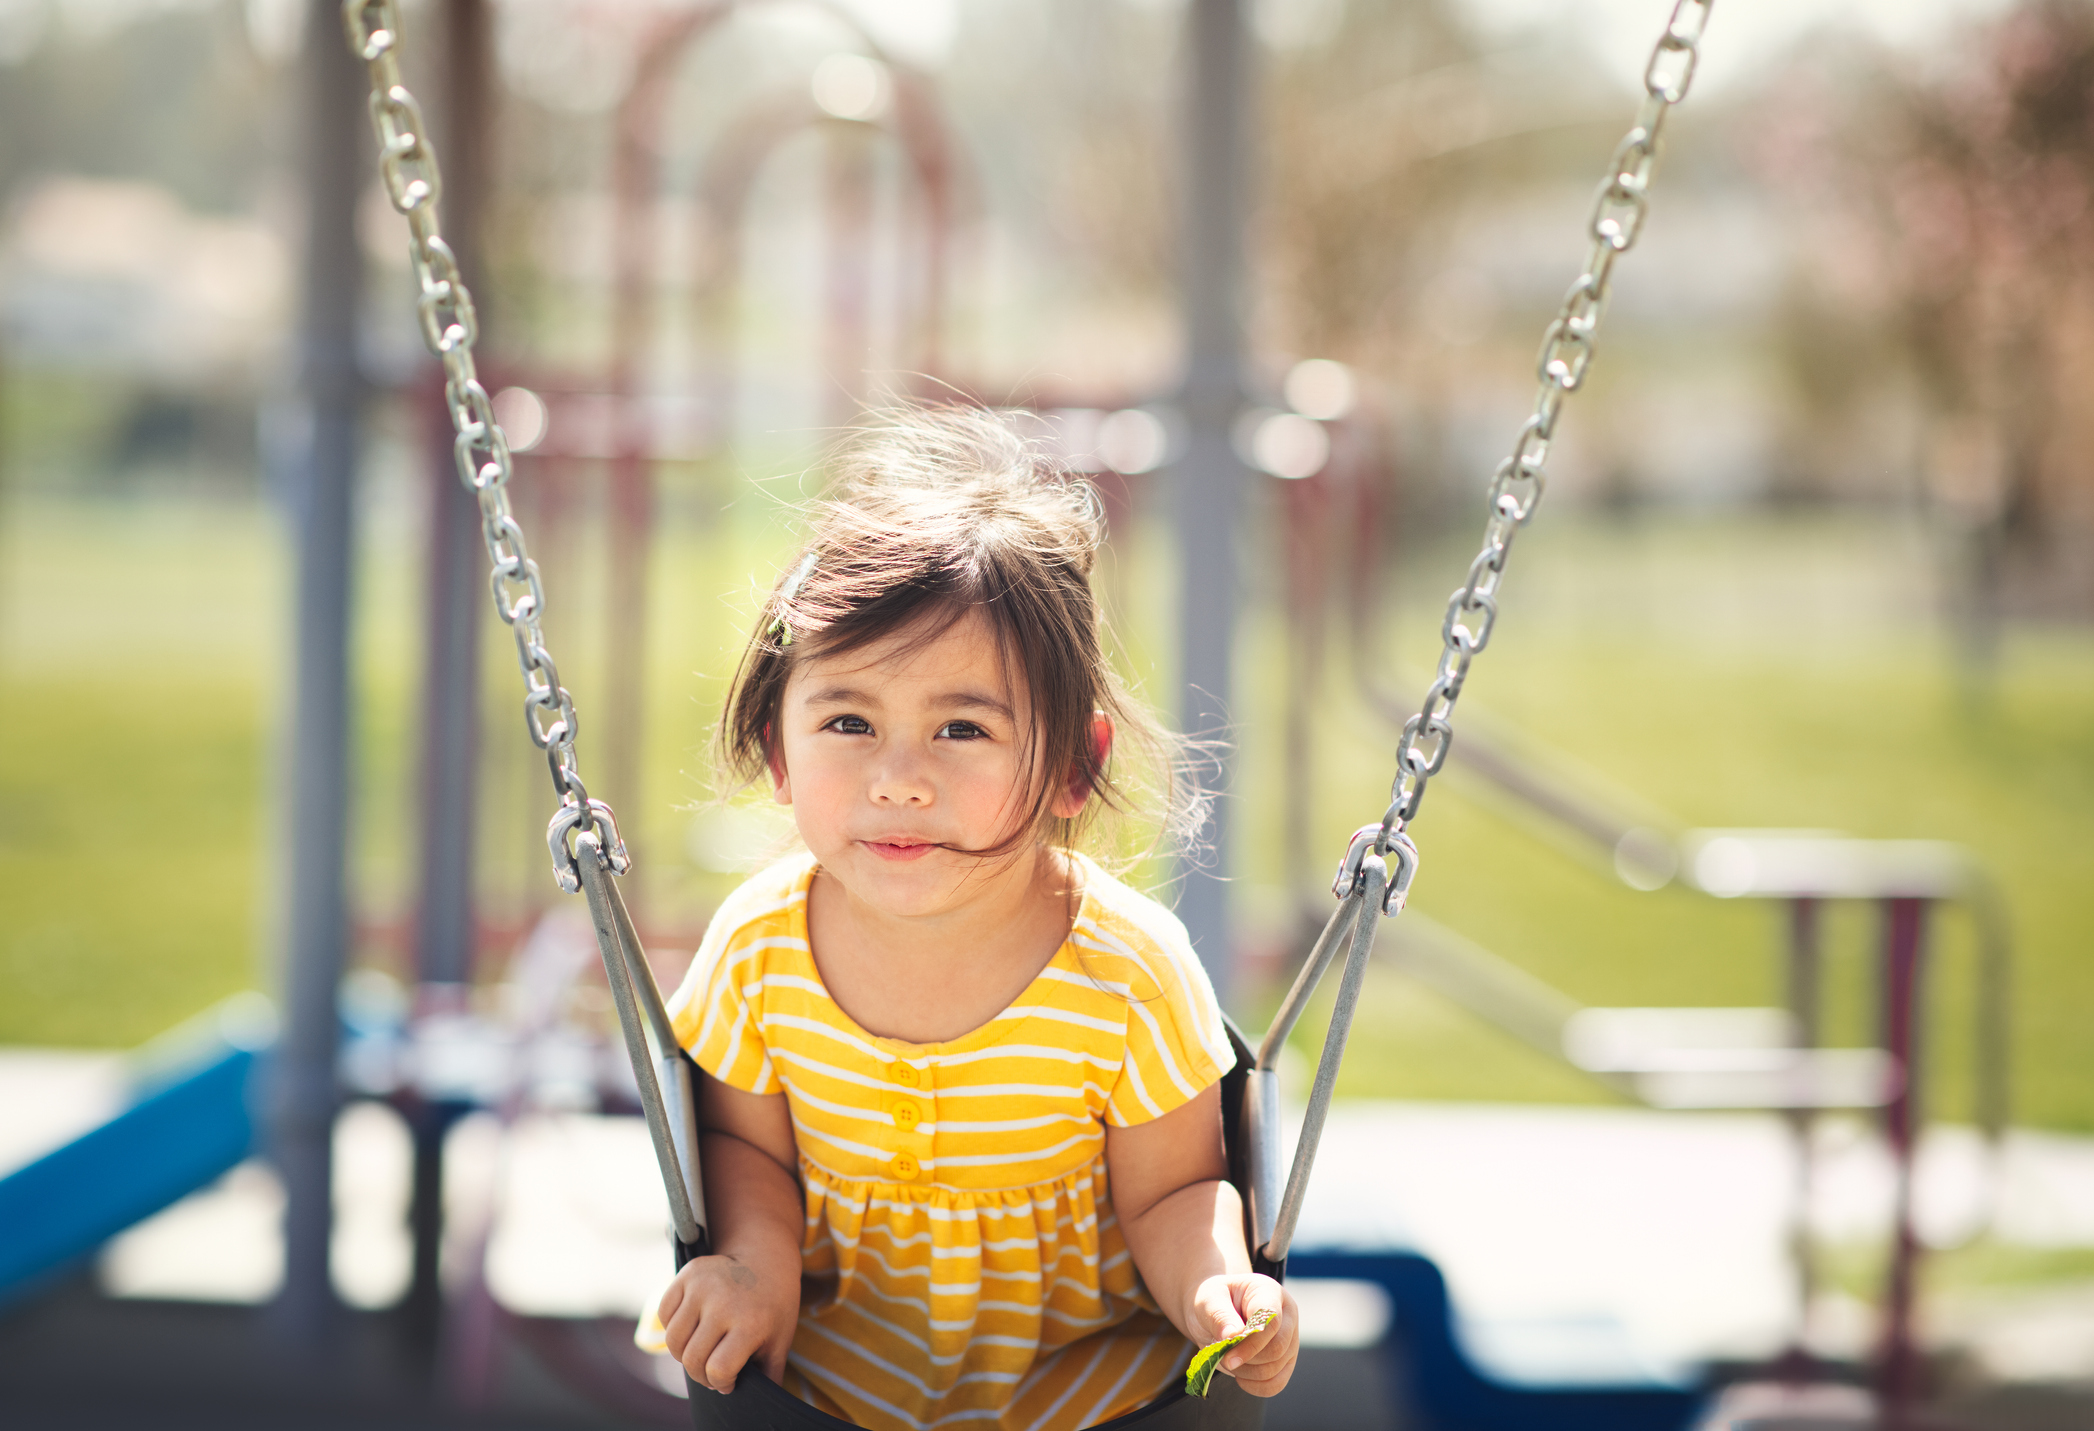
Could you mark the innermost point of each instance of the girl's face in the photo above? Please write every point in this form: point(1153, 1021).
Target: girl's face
point(896, 761)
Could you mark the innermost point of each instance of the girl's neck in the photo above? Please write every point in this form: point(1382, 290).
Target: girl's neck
point(933, 979)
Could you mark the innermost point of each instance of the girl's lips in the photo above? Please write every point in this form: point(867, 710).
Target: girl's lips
point(899, 850)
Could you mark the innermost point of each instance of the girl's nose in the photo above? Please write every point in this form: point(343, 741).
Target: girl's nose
point(901, 779)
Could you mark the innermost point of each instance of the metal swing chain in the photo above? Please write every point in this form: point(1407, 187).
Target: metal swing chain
point(1381, 861)
point(407, 163)
point(1616, 221)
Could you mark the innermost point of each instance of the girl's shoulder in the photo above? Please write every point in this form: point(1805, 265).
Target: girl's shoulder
point(765, 912)
point(1120, 923)
point(1177, 1040)
point(764, 900)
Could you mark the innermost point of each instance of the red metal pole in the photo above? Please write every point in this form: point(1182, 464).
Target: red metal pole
point(1904, 927)
point(848, 212)
point(629, 510)
point(1803, 995)
point(635, 181)
point(922, 132)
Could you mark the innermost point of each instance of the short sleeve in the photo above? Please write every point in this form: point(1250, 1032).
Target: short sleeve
point(716, 1010)
point(1177, 1044)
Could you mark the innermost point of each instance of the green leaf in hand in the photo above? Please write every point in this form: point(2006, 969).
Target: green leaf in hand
point(1207, 1360)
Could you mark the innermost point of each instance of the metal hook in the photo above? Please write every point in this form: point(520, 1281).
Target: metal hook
point(560, 838)
point(1391, 844)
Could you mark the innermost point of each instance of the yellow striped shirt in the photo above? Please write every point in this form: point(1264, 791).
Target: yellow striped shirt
point(965, 1264)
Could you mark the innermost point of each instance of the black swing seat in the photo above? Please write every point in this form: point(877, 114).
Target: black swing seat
point(759, 1404)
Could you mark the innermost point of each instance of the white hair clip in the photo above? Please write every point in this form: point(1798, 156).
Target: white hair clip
point(780, 630)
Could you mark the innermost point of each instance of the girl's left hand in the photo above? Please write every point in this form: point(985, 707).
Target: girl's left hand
point(1222, 1306)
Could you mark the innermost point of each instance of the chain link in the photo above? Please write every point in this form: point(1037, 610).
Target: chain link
point(450, 326)
point(1615, 223)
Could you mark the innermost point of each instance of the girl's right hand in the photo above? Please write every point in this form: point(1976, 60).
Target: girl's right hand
point(721, 1311)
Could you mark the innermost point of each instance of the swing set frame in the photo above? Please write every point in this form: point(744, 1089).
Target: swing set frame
point(1373, 879)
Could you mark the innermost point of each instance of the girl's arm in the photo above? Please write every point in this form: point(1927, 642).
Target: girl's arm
point(1183, 1222)
point(744, 1299)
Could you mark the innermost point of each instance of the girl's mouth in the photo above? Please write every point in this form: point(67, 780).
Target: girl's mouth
point(899, 850)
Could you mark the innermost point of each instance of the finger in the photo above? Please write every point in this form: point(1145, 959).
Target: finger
point(774, 1358)
point(1266, 1379)
point(672, 1298)
point(1217, 1308)
point(1269, 1370)
point(730, 1354)
point(698, 1353)
point(678, 1322)
point(1278, 1339)
point(1281, 1342)
point(1259, 1296)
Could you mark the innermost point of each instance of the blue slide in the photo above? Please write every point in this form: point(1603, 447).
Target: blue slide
point(190, 1128)
point(1455, 1391)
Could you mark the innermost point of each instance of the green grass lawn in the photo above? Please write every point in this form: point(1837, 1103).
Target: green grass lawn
point(1733, 671)
point(1730, 672)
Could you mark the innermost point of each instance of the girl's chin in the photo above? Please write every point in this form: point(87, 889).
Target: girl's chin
point(935, 874)
point(935, 882)
point(885, 866)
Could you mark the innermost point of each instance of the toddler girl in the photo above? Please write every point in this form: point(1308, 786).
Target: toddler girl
point(960, 1117)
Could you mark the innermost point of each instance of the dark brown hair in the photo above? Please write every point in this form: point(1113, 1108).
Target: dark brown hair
point(934, 514)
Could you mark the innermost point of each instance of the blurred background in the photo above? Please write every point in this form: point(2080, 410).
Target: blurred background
point(1817, 560)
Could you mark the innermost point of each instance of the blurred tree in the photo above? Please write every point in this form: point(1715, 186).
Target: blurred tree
point(1352, 127)
point(1950, 214)
point(174, 97)
point(1388, 143)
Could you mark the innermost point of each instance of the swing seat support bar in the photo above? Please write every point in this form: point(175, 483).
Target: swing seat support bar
point(668, 1098)
point(1365, 884)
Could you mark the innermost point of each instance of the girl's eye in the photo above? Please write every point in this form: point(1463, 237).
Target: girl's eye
point(962, 730)
point(849, 725)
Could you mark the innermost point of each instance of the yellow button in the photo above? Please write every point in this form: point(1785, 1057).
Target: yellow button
point(903, 1074)
point(906, 1114)
point(906, 1166)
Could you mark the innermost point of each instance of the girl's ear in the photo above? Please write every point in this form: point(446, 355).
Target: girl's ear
point(1070, 802)
point(774, 757)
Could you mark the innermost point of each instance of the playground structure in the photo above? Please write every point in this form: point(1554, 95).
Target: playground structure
point(1773, 1064)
